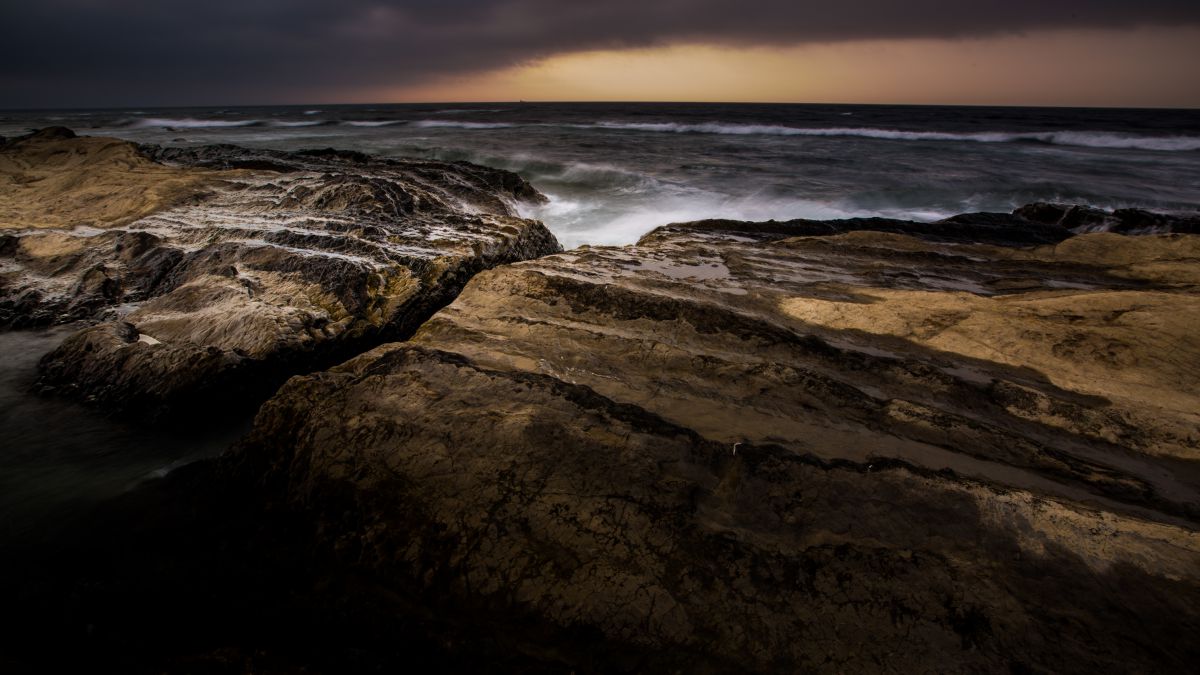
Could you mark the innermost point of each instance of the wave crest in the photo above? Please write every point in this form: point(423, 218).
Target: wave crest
point(448, 124)
point(191, 123)
point(1091, 139)
point(1084, 138)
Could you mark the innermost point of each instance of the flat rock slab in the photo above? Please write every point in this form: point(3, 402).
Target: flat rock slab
point(740, 449)
point(217, 272)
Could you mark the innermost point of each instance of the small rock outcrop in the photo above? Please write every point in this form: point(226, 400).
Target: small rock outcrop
point(1081, 219)
point(736, 448)
point(217, 272)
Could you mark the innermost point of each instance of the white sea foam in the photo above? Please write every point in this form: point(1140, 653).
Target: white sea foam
point(191, 123)
point(311, 112)
point(446, 124)
point(579, 220)
point(595, 174)
point(1093, 139)
point(606, 204)
point(1112, 140)
point(1087, 139)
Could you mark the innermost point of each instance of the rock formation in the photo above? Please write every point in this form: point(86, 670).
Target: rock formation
point(1124, 221)
point(220, 271)
point(738, 449)
point(867, 445)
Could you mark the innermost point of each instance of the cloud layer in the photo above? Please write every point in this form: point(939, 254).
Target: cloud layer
point(111, 52)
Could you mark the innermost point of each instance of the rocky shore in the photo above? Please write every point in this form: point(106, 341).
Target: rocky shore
point(846, 446)
point(216, 273)
point(857, 452)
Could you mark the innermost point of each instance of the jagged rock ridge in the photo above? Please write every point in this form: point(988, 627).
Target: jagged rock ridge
point(270, 263)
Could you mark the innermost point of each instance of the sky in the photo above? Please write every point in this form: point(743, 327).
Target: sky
point(130, 53)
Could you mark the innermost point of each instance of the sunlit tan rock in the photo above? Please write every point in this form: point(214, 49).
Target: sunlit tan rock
point(739, 449)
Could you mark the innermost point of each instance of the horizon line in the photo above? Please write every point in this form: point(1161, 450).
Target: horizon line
point(124, 108)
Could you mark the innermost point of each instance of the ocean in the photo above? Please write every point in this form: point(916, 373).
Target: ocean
point(59, 458)
point(615, 171)
point(612, 173)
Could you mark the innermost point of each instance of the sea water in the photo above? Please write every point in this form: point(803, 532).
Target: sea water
point(615, 171)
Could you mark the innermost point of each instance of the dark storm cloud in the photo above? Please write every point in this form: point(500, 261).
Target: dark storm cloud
point(61, 52)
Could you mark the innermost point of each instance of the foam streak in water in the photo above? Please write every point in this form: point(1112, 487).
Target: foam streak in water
point(445, 124)
point(1095, 139)
point(191, 123)
point(1090, 139)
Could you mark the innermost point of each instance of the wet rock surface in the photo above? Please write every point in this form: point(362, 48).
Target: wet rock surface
point(274, 263)
point(808, 446)
point(742, 450)
point(1123, 221)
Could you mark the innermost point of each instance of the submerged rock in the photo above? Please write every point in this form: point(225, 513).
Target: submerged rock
point(738, 449)
point(251, 266)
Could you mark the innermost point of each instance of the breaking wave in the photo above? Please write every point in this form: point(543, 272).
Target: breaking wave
point(1092, 139)
point(446, 124)
point(1087, 139)
point(577, 219)
point(191, 123)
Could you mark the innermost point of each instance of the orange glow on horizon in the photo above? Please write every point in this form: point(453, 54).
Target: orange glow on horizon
point(1061, 68)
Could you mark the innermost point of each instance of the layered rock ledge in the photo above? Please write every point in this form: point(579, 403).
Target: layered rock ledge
point(811, 446)
point(216, 272)
point(742, 447)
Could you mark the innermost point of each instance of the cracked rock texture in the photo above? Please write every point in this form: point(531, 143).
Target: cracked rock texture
point(867, 445)
point(734, 448)
point(216, 272)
